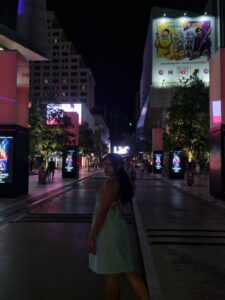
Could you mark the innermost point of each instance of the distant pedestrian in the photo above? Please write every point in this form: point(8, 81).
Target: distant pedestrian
point(31, 165)
point(108, 240)
point(51, 170)
point(142, 169)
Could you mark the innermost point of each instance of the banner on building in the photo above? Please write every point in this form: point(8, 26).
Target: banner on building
point(180, 47)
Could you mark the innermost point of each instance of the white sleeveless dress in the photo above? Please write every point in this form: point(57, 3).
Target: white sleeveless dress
point(113, 251)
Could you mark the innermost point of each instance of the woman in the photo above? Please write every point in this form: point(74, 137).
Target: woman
point(108, 240)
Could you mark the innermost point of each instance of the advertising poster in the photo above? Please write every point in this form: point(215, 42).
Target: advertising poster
point(70, 161)
point(70, 167)
point(181, 47)
point(6, 159)
point(176, 164)
point(157, 161)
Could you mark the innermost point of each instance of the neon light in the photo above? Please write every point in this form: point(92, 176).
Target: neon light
point(20, 7)
point(216, 108)
point(7, 99)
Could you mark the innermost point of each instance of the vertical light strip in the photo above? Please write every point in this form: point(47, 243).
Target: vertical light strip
point(20, 7)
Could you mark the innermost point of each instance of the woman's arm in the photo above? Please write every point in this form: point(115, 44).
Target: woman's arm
point(109, 194)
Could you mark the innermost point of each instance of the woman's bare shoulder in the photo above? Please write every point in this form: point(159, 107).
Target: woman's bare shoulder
point(111, 182)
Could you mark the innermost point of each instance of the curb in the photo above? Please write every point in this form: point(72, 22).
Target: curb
point(148, 262)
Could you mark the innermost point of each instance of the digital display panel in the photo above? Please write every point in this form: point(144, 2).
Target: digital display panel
point(157, 161)
point(70, 161)
point(6, 159)
point(121, 149)
point(176, 164)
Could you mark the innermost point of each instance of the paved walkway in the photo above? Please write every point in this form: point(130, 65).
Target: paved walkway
point(200, 188)
point(37, 191)
point(172, 219)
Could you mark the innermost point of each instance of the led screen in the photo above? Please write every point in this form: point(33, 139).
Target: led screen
point(6, 159)
point(121, 149)
point(176, 165)
point(70, 161)
point(158, 160)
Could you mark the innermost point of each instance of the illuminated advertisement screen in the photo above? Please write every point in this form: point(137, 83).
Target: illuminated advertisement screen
point(158, 161)
point(121, 149)
point(70, 161)
point(180, 47)
point(176, 162)
point(6, 159)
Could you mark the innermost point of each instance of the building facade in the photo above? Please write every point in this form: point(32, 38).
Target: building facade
point(172, 54)
point(64, 78)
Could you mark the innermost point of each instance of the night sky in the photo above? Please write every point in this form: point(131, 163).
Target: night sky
point(111, 38)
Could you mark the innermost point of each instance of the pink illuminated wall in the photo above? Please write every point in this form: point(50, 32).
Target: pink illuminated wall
point(14, 88)
point(217, 88)
point(157, 139)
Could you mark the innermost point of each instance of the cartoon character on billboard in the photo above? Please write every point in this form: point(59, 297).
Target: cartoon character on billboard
point(163, 43)
point(177, 45)
point(189, 42)
point(202, 44)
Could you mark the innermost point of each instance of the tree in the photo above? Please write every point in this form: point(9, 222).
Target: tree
point(86, 139)
point(45, 138)
point(188, 119)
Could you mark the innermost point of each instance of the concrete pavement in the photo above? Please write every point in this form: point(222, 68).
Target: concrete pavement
point(182, 237)
point(158, 208)
point(37, 192)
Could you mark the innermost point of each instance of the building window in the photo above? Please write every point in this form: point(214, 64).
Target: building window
point(83, 80)
point(74, 67)
point(37, 81)
point(83, 87)
point(64, 94)
point(55, 40)
point(45, 81)
point(83, 94)
point(83, 73)
point(64, 81)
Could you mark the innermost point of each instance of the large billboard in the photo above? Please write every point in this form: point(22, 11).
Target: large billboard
point(180, 47)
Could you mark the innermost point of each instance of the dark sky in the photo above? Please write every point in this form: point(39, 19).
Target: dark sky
point(110, 36)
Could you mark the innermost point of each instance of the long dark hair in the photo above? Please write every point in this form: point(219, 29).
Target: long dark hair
point(126, 188)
